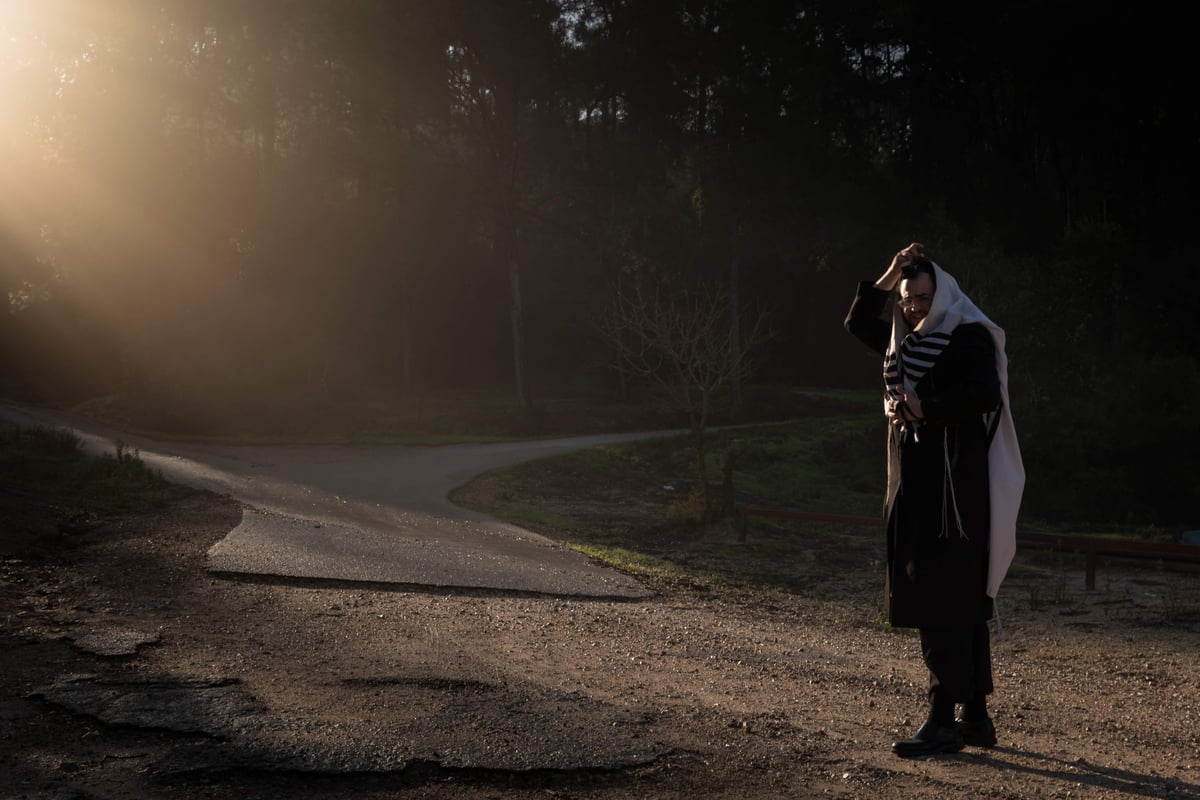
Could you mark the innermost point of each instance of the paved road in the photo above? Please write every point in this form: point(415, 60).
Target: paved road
point(367, 513)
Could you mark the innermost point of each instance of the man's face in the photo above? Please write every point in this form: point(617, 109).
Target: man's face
point(916, 296)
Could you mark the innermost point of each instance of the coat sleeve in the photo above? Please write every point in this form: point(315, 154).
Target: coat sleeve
point(864, 319)
point(975, 386)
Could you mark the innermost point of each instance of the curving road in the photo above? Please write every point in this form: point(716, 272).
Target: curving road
point(377, 514)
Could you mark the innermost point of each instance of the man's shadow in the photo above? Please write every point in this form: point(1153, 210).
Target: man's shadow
point(1089, 774)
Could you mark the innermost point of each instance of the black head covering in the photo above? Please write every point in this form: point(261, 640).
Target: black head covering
point(919, 267)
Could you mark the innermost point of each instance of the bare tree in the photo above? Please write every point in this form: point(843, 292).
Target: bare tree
point(685, 343)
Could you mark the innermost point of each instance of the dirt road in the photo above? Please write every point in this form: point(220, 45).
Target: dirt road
point(128, 670)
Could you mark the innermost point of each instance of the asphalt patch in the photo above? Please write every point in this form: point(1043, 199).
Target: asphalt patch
point(211, 707)
point(471, 727)
point(111, 643)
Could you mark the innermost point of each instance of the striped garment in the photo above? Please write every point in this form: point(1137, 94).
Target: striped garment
point(917, 355)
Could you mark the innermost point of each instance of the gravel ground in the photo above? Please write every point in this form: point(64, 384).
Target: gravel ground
point(128, 671)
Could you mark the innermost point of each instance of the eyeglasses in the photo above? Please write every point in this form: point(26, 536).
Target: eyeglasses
point(915, 300)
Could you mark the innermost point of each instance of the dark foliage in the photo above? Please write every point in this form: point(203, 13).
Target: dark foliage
point(280, 199)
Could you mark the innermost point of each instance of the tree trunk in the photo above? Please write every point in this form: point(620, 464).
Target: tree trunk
point(699, 417)
point(204, 79)
point(265, 104)
point(735, 333)
point(506, 151)
point(263, 115)
point(518, 327)
point(405, 335)
point(621, 333)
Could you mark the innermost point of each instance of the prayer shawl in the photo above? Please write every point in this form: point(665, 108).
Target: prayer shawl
point(910, 354)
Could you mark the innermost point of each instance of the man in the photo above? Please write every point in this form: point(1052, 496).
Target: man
point(955, 480)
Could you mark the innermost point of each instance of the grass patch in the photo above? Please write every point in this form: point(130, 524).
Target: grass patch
point(615, 503)
point(651, 569)
point(50, 465)
point(833, 464)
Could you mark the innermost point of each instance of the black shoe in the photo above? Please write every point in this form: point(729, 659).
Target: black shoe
point(978, 732)
point(929, 740)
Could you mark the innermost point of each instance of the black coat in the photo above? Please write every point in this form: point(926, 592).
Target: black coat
point(937, 572)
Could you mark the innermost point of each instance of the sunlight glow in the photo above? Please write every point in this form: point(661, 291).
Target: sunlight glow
point(67, 157)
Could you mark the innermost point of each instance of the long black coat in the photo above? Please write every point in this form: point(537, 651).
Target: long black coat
point(937, 573)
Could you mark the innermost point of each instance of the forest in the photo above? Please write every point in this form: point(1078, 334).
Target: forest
point(279, 198)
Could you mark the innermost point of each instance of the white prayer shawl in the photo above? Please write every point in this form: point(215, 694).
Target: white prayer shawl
point(1006, 472)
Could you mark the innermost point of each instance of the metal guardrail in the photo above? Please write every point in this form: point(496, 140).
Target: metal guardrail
point(1091, 546)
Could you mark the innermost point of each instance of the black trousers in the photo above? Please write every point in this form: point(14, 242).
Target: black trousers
point(959, 661)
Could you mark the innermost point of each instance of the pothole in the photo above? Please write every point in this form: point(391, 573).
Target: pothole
point(435, 683)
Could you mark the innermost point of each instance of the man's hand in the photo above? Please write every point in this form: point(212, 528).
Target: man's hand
point(906, 411)
point(888, 280)
point(914, 252)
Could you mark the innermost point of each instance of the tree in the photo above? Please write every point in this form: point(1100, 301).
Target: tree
point(684, 343)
